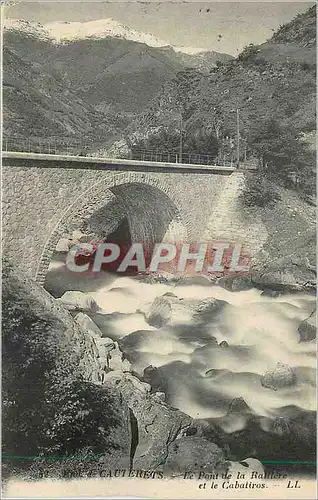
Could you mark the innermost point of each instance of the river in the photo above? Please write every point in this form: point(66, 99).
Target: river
point(200, 376)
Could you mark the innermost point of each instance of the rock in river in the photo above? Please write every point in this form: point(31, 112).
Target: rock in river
point(282, 376)
point(159, 313)
point(307, 328)
point(78, 301)
point(170, 309)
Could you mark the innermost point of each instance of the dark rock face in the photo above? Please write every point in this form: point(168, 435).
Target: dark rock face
point(308, 328)
point(144, 70)
point(170, 294)
point(294, 432)
point(52, 374)
point(224, 344)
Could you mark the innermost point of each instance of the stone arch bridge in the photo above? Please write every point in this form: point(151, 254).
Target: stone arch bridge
point(46, 197)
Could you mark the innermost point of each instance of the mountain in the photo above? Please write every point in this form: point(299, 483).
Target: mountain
point(65, 32)
point(38, 104)
point(275, 80)
point(101, 28)
point(85, 79)
point(300, 31)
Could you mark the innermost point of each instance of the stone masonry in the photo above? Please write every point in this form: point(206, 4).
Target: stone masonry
point(46, 200)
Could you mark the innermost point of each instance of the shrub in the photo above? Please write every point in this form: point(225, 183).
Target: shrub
point(286, 158)
point(259, 191)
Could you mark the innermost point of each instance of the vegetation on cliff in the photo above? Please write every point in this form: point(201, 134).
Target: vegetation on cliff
point(49, 410)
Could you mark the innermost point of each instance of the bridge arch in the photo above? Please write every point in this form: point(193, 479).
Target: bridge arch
point(153, 209)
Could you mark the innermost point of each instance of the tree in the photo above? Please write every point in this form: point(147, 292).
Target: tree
point(185, 83)
point(284, 155)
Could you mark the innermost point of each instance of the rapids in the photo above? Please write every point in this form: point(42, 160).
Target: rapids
point(200, 376)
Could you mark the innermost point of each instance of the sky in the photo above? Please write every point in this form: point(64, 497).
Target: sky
point(191, 23)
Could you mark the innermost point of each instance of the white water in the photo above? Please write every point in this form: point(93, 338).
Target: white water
point(260, 331)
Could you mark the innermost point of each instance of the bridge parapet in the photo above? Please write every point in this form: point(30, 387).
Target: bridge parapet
point(85, 150)
point(98, 163)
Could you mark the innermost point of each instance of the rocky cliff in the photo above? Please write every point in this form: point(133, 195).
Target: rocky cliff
point(69, 393)
point(71, 401)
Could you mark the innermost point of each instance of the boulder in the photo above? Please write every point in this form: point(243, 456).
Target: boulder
point(207, 309)
point(85, 238)
point(192, 453)
point(270, 293)
point(169, 309)
point(78, 301)
point(224, 343)
point(238, 406)
point(303, 428)
point(155, 424)
point(115, 358)
point(194, 280)
point(159, 313)
point(297, 427)
point(77, 235)
point(247, 465)
point(170, 294)
point(155, 377)
point(280, 280)
point(63, 245)
point(282, 376)
point(88, 325)
point(236, 283)
point(307, 328)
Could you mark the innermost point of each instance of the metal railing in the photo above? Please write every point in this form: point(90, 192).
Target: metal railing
point(45, 146)
point(78, 148)
point(172, 157)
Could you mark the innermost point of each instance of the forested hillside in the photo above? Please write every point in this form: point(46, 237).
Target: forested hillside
point(86, 89)
point(271, 86)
